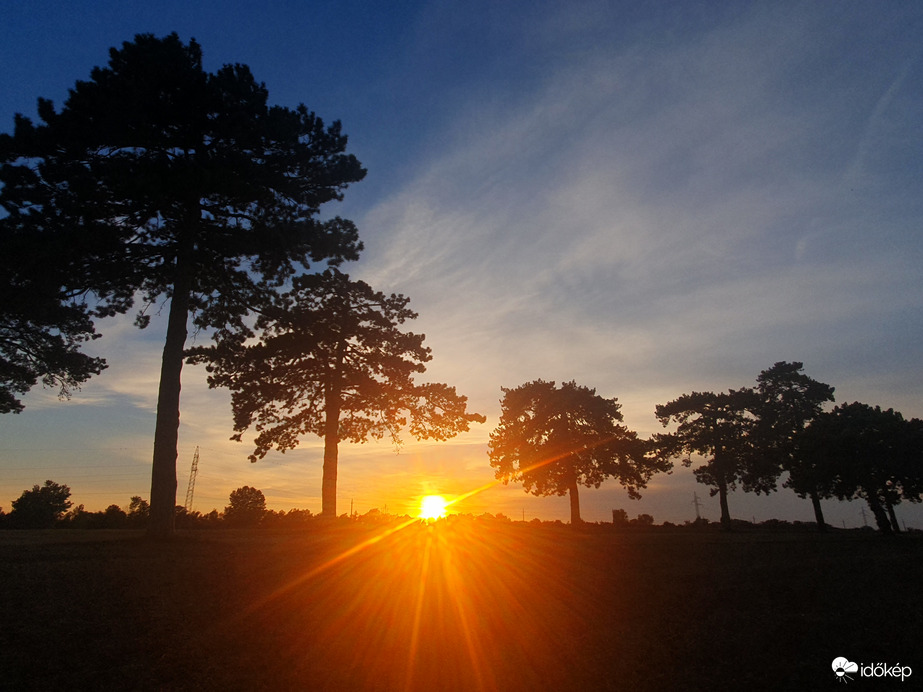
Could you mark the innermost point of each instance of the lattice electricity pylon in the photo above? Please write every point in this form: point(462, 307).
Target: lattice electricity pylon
point(193, 472)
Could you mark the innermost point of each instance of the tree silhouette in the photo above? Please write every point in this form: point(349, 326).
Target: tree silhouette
point(42, 327)
point(246, 507)
point(718, 427)
point(555, 439)
point(332, 361)
point(860, 451)
point(114, 517)
point(138, 511)
point(166, 181)
point(789, 401)
point(40, 507)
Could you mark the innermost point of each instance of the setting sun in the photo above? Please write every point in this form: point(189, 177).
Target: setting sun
point(433, 507)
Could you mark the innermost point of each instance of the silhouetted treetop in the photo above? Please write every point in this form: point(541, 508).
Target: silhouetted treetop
point(789, 401)
point(332, 360)
point(40, 507)
point(861, 451)
point(719, 427)
point(246, 506)
point(555, 439)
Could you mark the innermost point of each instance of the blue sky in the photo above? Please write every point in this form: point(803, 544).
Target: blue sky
point(647, 199)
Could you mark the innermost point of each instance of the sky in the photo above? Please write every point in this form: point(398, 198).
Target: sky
point(646, 198)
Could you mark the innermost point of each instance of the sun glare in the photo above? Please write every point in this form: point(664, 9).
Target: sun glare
point(433, 507)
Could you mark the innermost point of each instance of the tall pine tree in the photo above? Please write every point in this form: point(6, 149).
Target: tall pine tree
point(165, 181)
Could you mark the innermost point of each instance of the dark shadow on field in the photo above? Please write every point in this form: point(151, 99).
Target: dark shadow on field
point(455, 606)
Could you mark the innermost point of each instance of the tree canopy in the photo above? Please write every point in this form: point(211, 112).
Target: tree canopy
point(40, 507)
point(861, 451)
point(789, 401)
point(41, 330)
point(42, 325)
point(555, 439)
point(331, 360)
point(718, 427)
point(165, 181)
point(246, 506)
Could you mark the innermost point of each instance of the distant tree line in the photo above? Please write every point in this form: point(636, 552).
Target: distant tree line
point(555, 439)
point(756, 436)
point(49, 506)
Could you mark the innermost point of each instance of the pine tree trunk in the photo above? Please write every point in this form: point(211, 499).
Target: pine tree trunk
point(818, 512)
point(574, 503)
point(331, 438)
point(723, 501)
point(329, 482)
point(166, 432)
point(721, 479)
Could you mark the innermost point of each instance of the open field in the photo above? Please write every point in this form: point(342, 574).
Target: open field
point(455, 607)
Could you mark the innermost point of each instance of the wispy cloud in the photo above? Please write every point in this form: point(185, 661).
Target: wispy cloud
point(641, 212)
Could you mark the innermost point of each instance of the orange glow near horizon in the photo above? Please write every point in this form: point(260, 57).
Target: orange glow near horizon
point(428, 601)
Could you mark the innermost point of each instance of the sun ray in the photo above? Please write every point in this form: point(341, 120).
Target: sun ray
point(533, 467)
point(323, 567)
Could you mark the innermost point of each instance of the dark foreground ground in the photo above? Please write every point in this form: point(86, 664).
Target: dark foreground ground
point(465, 607)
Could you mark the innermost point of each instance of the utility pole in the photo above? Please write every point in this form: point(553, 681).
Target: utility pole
point(193, 472)
point(695, 501)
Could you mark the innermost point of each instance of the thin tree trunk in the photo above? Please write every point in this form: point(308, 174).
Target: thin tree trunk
point(574, 503)
point(166, 432)
point(329, 482)
point(331, 438)
point(721, 478)
point(723, 501)
point(818, 512)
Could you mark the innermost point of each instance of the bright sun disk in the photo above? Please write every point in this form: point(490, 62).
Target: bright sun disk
point(433, 507)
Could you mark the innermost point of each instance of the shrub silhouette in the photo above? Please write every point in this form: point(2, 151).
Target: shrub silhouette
point(41, 507)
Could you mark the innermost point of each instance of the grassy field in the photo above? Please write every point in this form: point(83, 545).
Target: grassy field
point(455, 607)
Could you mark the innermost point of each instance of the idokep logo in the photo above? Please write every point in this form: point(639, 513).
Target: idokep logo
point(843, 667)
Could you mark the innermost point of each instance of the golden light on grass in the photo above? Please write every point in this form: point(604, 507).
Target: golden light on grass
point(428, 605)
point(433, 507)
